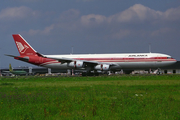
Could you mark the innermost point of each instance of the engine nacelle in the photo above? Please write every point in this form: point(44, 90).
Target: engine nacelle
point(76, 64)
point(103, 67)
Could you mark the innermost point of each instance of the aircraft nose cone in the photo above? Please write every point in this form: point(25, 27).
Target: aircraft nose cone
point(173, 61)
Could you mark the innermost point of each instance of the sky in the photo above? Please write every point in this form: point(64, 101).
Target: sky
point(90, 27)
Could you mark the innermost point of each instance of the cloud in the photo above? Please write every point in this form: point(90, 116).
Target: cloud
point(17, 13)
point(172, 14)
point(136, 13)
point(138, 20)
point(66, 21)
point(165, 32)
point(161, 31)
point(69, 15)
point(45, 31)
point(92, 19)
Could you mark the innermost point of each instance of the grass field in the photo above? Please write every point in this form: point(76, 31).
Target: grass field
point(84, 98)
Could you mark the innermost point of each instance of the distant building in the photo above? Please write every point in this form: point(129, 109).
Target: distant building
point(173, 69)
point(34, 71)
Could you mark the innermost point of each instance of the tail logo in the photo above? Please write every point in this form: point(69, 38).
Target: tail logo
point(22, 49)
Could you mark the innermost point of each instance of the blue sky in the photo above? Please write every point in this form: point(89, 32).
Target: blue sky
point(90, 26)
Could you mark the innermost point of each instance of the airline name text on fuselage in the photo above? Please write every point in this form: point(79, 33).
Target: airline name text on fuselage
point(137, 55)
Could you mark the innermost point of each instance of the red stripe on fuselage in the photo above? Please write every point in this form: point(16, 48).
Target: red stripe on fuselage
point(95, 59)
point(46, 61)
point(153, 59)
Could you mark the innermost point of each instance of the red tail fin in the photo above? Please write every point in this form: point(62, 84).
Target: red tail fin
point(23, 47)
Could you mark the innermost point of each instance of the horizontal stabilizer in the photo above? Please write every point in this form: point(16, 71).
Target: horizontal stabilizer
point(19, 58)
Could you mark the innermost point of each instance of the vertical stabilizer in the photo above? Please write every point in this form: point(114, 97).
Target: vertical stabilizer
point(23, 47)
point(10, 68)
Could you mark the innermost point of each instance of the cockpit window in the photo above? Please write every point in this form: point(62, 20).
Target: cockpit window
point(169, 57)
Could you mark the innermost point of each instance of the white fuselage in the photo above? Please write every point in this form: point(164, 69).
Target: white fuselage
point(122, 61)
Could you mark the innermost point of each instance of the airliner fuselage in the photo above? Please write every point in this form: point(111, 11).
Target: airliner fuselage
point(123, 61)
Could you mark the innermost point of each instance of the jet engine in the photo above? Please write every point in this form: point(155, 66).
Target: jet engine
point(102, 67)
point(76, 64)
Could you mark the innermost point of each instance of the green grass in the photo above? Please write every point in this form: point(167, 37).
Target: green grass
point(103, 97)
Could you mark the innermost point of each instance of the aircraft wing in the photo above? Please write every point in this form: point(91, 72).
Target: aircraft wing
point(6, 71)
point(62, 60)
point(67, 60)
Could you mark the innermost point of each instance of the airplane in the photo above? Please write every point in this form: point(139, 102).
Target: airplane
point(15, 72)
point(91, 63)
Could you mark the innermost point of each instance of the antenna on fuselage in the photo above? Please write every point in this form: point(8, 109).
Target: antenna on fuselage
point(149, 47)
